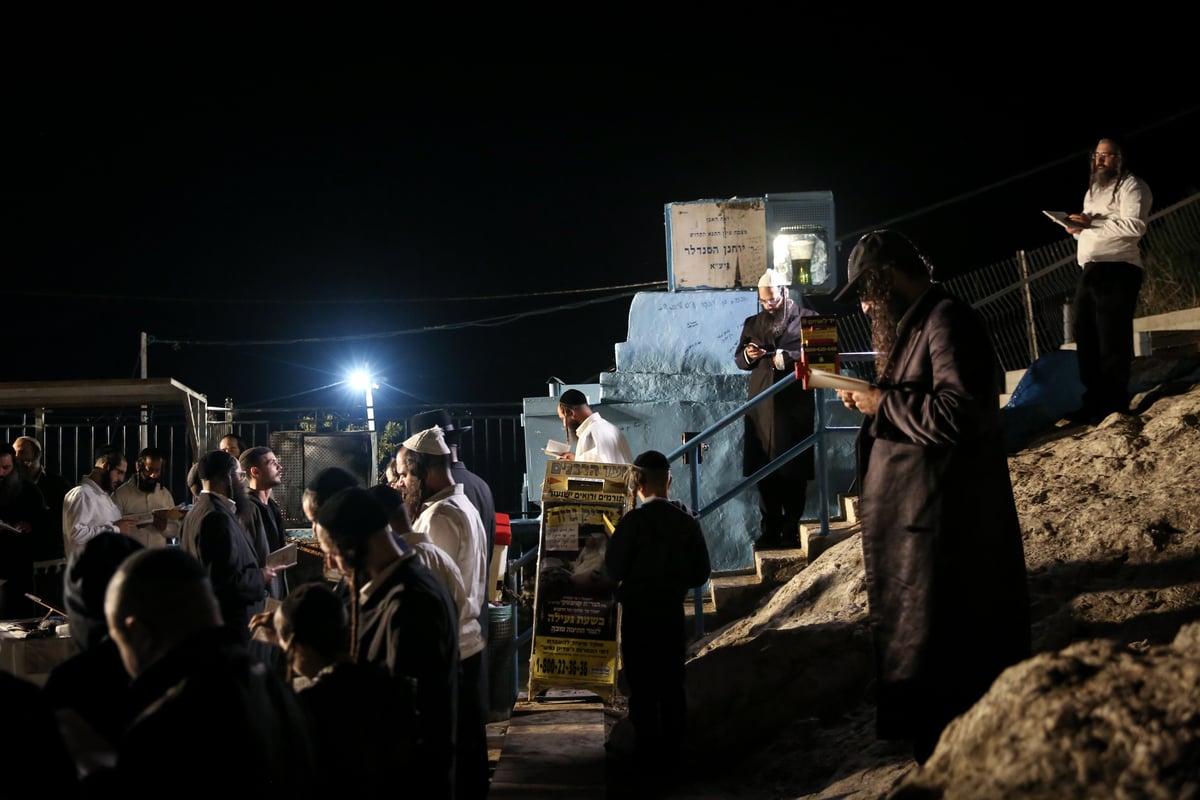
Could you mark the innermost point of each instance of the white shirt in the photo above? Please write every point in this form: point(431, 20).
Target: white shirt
point(87, 511)
point(600, 440)
point(454, 525)
point(1118, 224)
point(440, 564)
point(132, 502)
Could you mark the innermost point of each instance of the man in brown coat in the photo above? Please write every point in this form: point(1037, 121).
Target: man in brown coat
point(946, 578)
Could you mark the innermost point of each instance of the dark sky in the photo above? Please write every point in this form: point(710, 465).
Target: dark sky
point(365, 210)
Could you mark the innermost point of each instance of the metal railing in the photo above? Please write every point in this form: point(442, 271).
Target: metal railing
point(1024, 299)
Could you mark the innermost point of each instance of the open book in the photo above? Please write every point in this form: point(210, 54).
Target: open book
point(285, 556)
point(556, 448)
point(1061, 218)
point(823, 379)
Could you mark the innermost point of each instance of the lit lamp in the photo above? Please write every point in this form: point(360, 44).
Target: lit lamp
point(363, 381)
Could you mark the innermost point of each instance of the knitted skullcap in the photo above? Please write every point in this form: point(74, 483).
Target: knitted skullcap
point(431, 441)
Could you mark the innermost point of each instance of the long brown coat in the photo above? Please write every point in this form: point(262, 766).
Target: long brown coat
point(946, 577)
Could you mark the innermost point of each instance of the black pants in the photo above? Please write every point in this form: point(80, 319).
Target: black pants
point(653, 650)
point(1105, 299)
point(781, 500)
point(471, 756)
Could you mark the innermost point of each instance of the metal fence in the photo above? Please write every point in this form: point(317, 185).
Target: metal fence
point(494, 448)
point(1025, 299)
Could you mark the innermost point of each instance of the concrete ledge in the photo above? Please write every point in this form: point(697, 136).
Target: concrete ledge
point(814, 543)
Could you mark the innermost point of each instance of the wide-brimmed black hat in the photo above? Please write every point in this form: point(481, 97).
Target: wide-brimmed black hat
point(439, 417)
point(875, 249)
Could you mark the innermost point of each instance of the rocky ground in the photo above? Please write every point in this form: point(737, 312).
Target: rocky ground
point(780, 701)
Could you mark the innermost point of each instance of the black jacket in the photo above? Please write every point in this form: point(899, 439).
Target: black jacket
point(657, 552)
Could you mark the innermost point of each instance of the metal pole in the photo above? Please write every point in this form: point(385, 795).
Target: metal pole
point(143, 434)
point(822, 457)
point(1030, 326)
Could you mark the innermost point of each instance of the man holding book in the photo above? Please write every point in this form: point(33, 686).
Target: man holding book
point(1116, 208)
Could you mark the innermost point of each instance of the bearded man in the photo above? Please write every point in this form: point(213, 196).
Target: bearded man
point(48, 545)
point(88, 509)
point(445, 513)
point(769, 347)
point(945, 566)
point(1116, 209)
point(214, 533)
point(144, 494)
point(22, 510)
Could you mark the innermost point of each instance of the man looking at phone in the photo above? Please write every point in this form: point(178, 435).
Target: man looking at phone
point(768, 349)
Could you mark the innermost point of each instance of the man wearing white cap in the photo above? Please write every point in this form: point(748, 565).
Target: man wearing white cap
point(442, 510)
point(769, 348)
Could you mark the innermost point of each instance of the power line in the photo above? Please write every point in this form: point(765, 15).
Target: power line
point(487, 322)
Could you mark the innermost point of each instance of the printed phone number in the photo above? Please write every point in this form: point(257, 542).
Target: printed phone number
point(562, 666)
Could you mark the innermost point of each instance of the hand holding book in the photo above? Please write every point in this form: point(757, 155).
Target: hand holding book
point(1064, 219)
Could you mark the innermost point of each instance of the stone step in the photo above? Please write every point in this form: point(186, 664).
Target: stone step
point(732, 595)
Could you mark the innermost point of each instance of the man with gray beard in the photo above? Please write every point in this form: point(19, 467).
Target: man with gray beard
point(769, 348)
point(1116, 209)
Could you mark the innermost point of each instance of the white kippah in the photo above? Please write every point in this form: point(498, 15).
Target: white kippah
point(431, 441)
point(772, 277)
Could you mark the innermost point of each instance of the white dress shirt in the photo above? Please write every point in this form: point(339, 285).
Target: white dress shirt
point(132, 502)
point(600, 440)
point(87, 511)
point(454, 525)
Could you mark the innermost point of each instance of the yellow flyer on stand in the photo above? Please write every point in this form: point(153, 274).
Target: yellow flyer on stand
point(575, 608)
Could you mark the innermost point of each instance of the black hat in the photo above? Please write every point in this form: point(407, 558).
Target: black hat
point(439, 417)
point(875, 249)
point(89, 569)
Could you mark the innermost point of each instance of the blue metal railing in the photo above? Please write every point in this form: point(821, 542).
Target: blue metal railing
point(818, 440)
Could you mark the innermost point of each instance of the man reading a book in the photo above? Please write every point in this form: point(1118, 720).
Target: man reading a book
point(1108, 232)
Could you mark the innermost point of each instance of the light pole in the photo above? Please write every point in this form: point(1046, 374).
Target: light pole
point(362, 379)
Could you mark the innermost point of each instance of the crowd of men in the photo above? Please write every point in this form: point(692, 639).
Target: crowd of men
point(183, 619)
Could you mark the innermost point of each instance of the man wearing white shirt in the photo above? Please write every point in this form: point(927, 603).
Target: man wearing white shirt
point(143, 495)
point(444, 512)
point(1116, 210)
point(88, 509)
point(596, 439)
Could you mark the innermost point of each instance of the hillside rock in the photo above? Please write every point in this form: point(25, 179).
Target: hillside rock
point(780, 701)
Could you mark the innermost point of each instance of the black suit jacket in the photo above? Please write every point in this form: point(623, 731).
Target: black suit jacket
point(213, 534)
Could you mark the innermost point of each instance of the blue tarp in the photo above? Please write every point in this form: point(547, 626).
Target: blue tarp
point(1048, 391)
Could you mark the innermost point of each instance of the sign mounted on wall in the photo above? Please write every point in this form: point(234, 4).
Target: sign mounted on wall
point(717, 244)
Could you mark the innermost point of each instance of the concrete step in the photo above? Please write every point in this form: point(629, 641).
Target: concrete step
point(732, 595)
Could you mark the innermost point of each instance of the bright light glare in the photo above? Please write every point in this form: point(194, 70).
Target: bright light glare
point(360, 380)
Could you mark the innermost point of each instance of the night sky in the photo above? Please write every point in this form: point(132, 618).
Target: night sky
point(452, 232)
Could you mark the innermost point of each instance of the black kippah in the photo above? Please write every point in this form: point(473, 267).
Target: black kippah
point(353, 512)
point(573, 397)
point(330, 481)
point(652, 459)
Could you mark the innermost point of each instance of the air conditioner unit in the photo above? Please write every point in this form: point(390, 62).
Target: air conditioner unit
point(303, 455)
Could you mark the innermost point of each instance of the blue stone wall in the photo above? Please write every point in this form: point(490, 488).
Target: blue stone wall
point(676, 373)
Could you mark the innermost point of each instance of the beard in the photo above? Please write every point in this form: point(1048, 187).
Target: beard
point(412, 497)
point(778, 317)
point(147, 485)
point(106, 482)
